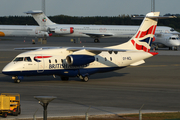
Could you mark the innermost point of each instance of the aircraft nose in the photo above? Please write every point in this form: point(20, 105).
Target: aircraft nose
point(174, 42)
point(179, 42)
point(9, 69)
point(6, 69)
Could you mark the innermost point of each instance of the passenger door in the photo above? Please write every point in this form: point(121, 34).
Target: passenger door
point(40, 63)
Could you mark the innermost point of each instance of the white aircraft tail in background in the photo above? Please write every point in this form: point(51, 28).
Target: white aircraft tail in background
point(84, 61)
point(40, 18)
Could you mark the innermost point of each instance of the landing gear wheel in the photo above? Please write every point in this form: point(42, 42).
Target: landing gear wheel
point(96, 40)
point(175, 48)
point(64, 78)
point(156, 47)
point(85, 78)
point(17, 81)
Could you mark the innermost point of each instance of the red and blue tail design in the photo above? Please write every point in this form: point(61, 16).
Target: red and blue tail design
point(144, 36)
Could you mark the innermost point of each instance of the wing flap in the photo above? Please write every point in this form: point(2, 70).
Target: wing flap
point(98, 34)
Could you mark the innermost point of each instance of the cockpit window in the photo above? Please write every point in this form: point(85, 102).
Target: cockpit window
point(18, 59)
point(27, 59)
point(171, 29)
point(174, 38)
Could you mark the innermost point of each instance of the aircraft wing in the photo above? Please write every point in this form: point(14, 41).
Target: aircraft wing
point(94, 35)
point(35, 48)
point(94, 51)
point(81, 50)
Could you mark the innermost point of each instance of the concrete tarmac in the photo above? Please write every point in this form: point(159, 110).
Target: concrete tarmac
point(156, 84)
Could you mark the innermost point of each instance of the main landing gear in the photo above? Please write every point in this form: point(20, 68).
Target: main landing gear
point(96, 40)
point(84, 78)
point(16, 79)
point(173, 48)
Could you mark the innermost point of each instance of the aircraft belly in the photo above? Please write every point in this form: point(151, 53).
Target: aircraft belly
point(62, 72)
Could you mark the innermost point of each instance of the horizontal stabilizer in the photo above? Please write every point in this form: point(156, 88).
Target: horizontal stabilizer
point(34, 12)
point(153, 17)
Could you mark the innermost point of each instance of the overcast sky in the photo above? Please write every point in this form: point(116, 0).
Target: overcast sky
point(88, 7)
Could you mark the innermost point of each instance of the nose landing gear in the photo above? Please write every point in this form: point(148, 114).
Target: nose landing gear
point(173, 48)
point(96, 40)
point(16, 79)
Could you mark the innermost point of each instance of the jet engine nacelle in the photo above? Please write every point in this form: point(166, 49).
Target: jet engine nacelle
point(64, 30)
point(78, 60)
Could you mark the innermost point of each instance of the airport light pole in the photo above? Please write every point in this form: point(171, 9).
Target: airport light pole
point(44, 101)
point(43, 6)
point(140, 113)
point(152, 5)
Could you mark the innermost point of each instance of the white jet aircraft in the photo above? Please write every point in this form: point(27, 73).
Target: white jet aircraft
point(22, 31)
point(84, 61)
point(166, 40)
point(103, 31)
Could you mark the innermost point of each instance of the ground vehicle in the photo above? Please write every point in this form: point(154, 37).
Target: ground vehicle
point(10, 104)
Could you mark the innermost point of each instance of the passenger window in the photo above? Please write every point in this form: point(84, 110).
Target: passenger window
point(171, 29)
point(116, 52)
point(27, 59)
point(55, 61)
point(110, 52)
point(49, 61)
point(111, 58)
point(18, 59)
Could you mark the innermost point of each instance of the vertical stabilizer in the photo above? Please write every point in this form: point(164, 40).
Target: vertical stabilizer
point(143, 38)
point(40, 18)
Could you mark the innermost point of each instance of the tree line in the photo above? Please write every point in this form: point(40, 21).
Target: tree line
point(95, 20)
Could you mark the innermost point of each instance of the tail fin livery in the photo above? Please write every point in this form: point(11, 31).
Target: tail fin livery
point(145, 35)
point(40, 18)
